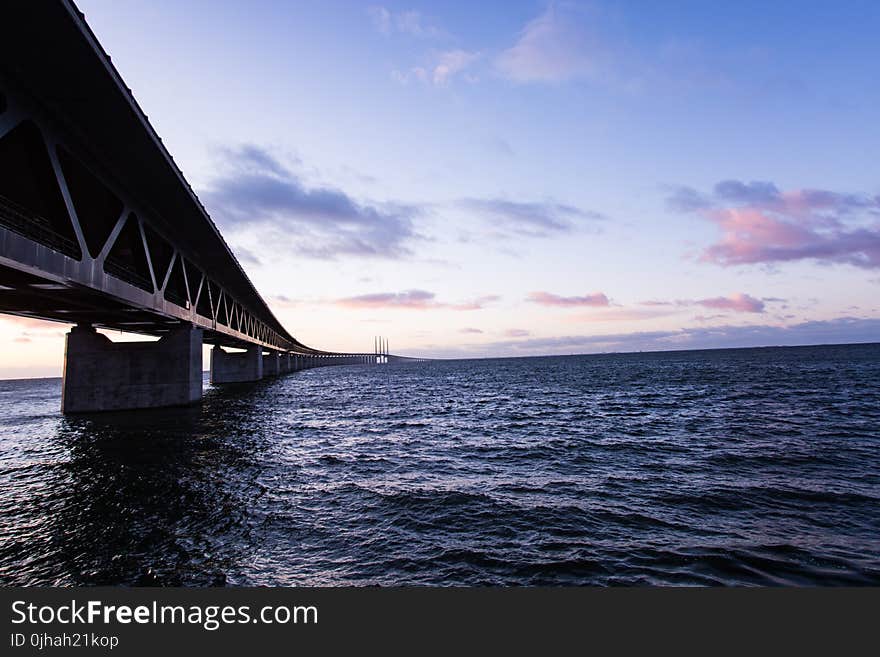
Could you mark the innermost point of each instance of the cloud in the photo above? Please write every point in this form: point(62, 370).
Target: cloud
point(766, 196)
point(562, 43)
point(516, 333)
point(760, 224)
point(752, 236)
point(741, 303)
point(30, 329)
point(835, 331)
point(246, 256)
point(284, 301)
point(381, 18)
point(251, 158)
point(596, 299)
point(686, 199)
point(414, 24)
point(258, 200)
point(468, 329)
point(409, 22)
point(442, 68)
point(255, 190)
point(410, 300)
point(451, 63)
point(532, 219)
point(559, 45)
point(753, 193)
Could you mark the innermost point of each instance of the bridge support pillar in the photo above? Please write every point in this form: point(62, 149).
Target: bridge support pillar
point(284, 363)
point(270, 363)
point(102, 375)
point(229, 367)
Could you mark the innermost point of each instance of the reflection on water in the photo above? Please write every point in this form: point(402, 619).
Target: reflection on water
point(733, 467)
point(155, 497)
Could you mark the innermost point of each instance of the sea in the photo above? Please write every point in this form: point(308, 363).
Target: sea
point(691, 468)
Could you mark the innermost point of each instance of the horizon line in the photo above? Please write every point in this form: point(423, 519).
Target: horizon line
point(574, 355)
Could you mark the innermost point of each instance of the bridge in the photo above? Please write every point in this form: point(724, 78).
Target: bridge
point(100, 229)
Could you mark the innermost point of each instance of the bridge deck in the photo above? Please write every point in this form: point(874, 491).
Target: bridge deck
point(97, 222)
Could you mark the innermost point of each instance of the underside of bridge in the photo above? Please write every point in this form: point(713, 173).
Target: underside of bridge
point(99, 228)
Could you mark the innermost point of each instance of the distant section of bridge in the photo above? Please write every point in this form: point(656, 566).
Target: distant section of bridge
point(99, 228)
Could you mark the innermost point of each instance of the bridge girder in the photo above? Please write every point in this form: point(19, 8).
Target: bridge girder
point(97, 230)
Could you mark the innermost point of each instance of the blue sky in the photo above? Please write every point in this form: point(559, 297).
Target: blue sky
point(516, 178)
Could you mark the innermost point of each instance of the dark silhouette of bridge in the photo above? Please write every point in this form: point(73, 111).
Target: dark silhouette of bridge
point(99, 228)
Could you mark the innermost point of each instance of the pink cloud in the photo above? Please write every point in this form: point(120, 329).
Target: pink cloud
point(597, 299)
point(558, 45)
point(741, 303)
point(516, 333)
point(411, 300)
point(761, 224)
point(799, 202)
point(468, 329)
point(750, 236)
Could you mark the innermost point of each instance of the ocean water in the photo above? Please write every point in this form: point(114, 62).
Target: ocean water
point(729, 467)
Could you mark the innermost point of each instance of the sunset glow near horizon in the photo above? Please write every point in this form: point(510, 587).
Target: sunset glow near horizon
point(521, 178)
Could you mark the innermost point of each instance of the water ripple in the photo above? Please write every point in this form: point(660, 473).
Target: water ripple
point(747, 467)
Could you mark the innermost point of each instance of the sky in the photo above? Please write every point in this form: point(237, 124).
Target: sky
point(521, 177)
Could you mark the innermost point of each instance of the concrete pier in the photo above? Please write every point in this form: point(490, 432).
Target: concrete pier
point(229, 367)
point(270, 363)
point(102, 375)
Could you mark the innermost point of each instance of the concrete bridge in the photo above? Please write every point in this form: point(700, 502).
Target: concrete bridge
point(99, 228)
